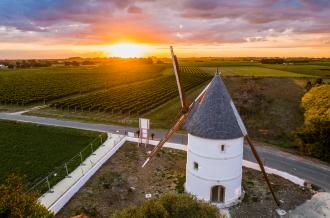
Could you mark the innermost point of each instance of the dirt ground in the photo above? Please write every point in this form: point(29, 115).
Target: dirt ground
point(258, 201)
point(122, 182)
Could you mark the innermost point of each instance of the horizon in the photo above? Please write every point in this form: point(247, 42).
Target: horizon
point(220, 29)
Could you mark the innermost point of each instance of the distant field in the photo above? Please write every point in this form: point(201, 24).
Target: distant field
point(27, 86)
point(253, 71)
point(215, 63)
point(321, 63)
point(307, 69)
point(35, 150)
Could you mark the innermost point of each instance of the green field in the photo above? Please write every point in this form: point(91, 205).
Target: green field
point(35, 150)
point(253, 71)
point(307, 69)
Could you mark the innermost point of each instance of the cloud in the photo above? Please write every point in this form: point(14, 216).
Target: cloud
point(87, 22)
point(134, 10)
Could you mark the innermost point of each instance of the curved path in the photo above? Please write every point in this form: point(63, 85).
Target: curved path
point(313, 171)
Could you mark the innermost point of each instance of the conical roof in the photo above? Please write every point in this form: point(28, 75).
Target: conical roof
point(214, 115)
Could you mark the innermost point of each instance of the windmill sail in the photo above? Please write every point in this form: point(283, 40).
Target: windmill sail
point(182, 118)
point(176, 70)
point(182, 115)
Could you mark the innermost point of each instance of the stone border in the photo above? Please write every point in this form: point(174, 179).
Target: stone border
point(57, 206)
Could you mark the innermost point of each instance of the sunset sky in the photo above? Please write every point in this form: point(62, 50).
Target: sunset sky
point(90, 28)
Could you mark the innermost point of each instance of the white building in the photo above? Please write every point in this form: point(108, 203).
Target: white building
point(215, 147)
point(3, 66)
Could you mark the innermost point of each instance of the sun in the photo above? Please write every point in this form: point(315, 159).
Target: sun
point(127, 50)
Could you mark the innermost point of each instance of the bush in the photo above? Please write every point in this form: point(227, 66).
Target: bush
point(314, 137)
point(14, 202)
point(181, 179)
point(173, 206)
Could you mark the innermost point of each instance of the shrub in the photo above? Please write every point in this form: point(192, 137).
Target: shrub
point(14, 202)
point(180, 183)
point(171, 205)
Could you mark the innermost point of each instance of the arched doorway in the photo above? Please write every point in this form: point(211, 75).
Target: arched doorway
point(218, 194)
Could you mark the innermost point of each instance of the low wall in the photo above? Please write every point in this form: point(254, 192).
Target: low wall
point(269, 170)
point(57, 206)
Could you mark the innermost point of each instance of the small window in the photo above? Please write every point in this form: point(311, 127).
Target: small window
point(222, 147)
point(195, 166)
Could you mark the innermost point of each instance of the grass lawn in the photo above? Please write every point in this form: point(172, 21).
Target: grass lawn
point(253, 71)
point(35, 150)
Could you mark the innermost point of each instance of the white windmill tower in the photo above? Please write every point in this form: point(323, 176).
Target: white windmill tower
point(215, 144)
point(215, 147)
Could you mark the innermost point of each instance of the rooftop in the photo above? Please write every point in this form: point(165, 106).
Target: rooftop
point(214, 115)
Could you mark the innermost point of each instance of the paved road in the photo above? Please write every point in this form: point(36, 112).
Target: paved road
point(318, 174)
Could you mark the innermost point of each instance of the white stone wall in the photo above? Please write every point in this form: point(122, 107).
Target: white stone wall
point(215, 167)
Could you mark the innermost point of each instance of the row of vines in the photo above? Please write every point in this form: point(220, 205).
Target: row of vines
point(28, 86)
point(136, 98)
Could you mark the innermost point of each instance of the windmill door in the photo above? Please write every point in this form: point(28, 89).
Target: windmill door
point(218, 194)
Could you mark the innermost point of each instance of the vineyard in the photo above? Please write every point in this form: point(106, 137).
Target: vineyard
point(136, 98)
point(27, 86)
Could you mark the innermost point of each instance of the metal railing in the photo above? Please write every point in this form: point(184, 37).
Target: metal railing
point(60, 172)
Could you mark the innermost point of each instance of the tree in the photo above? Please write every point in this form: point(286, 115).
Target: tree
point(314, 137)
point(171, 206)
point(15, 202)
point(316, 104)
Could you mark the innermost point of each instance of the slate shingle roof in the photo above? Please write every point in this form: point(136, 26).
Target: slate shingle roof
point(213, 117)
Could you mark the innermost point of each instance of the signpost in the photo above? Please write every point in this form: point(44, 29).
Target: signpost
point(144, 125)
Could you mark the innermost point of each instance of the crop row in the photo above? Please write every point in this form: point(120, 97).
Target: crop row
point(29, 86)
point(136, 98)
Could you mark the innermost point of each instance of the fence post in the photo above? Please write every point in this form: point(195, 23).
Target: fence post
point(67, 171)
point(48, 184)
point(81, 158)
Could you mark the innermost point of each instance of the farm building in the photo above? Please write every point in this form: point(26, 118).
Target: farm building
point(2, 66)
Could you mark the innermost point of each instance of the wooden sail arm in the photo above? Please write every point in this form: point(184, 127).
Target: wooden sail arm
point(176, 126)
point(178, 80)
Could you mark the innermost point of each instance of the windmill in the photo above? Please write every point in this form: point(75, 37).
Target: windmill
point(216, 136)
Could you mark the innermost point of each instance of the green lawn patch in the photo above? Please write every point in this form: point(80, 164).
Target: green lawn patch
point(35, 150)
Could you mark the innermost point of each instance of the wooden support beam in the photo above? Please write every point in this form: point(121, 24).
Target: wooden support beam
point(255, 153)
